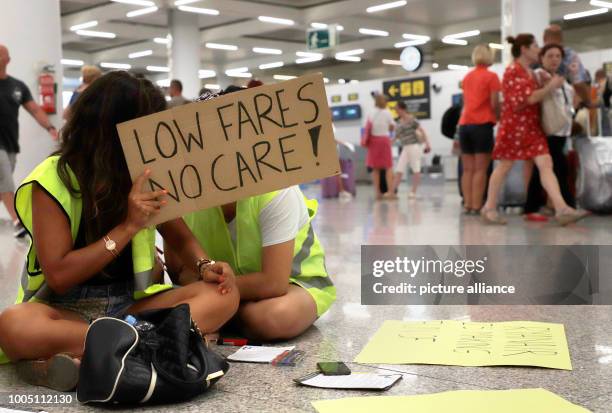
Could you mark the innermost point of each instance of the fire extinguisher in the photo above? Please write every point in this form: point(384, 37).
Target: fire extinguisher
point(46, 90)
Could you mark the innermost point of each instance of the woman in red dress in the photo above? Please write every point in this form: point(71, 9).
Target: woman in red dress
point(520, 135)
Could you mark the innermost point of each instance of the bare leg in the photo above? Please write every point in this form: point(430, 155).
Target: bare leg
point(30, 331)
point(9, 202)
point(495, 183)
point(376, 182)
point(209, 309)
point(397, 179)
point(416, 180)
point(550, 184)
point(279, 318)
point(389, 176)
point(467, 180)
point(479, 179)
point(527, 172)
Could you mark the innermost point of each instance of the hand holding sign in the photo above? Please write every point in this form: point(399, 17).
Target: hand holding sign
point(143, 206)
point(246, 143)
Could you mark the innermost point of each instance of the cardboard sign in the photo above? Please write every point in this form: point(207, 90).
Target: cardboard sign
point(245, 143)
point(458, 343)
point(461, 401)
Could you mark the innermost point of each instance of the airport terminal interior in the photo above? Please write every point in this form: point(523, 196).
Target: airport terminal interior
point(408, 60)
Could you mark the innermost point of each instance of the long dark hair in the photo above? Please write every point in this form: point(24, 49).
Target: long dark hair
point(90, 146)
point(522, 39)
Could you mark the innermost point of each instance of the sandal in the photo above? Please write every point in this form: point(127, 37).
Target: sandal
point(567, 218)
point(60, 372)
point(492, 217)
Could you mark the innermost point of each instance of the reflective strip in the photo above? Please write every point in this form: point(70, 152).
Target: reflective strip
point(315, 282)
point(25, 279)
point(143, 280)
point(304, 252)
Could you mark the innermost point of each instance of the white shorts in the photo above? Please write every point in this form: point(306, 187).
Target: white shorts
point(411, 154)
point(7, 167)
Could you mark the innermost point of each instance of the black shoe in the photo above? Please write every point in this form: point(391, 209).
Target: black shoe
point(19, 230)
point(60, 372)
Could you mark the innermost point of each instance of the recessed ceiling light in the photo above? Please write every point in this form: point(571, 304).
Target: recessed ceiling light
point(600, 3)
point(325, 80)
point(339, 28)
point(163, 82)
point(409, 36)
point(72, 62)
point(199, 10)
point(110, 65)
point(239, 74)
point(348, 58)
point(341, 81)
point(238, 69)
point(308, 60)
point(458, 67)
point(85, 25)
point(140, 54)
point(283, 77)
point(140, 12)
point(158, 69)
point(276, 20)
point(270, 65)
point(315, 25)
point(266, 50)
point(221, 46)
point(587, 13)
point(435, 65)
point(205, 73)
point(452, 40)
point(386, 6)
point(469, 33)
point(391, 62)
point(496, 46)
point(92, 33)
point(162, 40)
point(373, 32)
point(212, 86)
point(410, 43)
point(143, 3)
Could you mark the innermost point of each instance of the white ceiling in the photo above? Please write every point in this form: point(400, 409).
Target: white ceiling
point(237, 24)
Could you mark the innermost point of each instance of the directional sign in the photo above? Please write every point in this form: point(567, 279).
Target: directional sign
point(414, 92)
point(321, 38)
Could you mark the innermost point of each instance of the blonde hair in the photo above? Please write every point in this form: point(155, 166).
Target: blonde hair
point(483, 55)
point(90, 73)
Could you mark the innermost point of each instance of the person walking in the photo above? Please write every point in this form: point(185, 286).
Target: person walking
point(89, 73)
point(379, 158)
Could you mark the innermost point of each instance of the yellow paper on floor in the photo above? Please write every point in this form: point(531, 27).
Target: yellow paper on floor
point(459, 343)
point(462, 401)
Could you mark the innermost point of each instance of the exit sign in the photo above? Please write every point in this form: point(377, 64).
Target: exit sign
point(321, 38)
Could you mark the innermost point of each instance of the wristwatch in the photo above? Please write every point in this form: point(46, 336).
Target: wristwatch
point(110, 246)
point(203, 263)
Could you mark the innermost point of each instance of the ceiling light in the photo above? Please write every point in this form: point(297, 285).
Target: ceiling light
point(221, 46)
point(435, 65)
point(410, 43)
point(143, 3)
point(183, 2)
point(470, 33)
point(85, 25)
point(205, 73)
point(451, 40)
point(163, 83)
point(265, 50)
point(72, 62)
point(162, 40)
point(109, 65)
point(318, 25)
point(140, 12)
point(140, 54)
point(276, 20)
point(283, 77)
point(199, 10)
point(239, 74)
point(341, 81)
point(158, 69)
point(391, 62)
point(599, 3)
point(325, 80)
point(351, 52)
point(91, 33)
point(211, 86)
point(308, 60)
point(238, 69)
point(339, 28)
point(270, 65)
point(308, 54)
point(587, 13)
point(458, 67)
point(496, 46)
point(409, 36)
point(386, 6)
point(373, 32)
point(348, 58)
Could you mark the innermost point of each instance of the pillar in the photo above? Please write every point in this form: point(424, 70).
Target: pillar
point(184, 51)
point(523, 16)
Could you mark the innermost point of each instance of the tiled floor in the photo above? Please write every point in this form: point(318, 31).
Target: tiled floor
point(345, 329)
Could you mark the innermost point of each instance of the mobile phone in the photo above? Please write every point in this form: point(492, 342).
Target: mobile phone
point(333, 368)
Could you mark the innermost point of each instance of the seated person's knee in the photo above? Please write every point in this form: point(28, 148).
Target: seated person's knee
point(12, 322)
point(274, 323)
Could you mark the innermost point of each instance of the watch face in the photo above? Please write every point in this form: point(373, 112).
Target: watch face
point(110, 245)
point(411, 58)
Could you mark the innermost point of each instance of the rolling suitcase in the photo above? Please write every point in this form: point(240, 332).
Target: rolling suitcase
point(329, 185)
point(513, 193)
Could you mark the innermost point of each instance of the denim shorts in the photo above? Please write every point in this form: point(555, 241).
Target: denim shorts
point(95, 301)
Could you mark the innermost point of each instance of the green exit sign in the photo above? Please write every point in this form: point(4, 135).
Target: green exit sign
point(321, 38)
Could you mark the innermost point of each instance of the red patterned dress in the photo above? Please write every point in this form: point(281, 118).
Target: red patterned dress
point(520, 135)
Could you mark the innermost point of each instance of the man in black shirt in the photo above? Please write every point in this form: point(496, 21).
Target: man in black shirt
point(14, 93)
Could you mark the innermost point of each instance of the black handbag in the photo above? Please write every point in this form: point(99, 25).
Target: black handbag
point(158, 358)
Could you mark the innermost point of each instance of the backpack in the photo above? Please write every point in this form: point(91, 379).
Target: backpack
point(450, 119)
